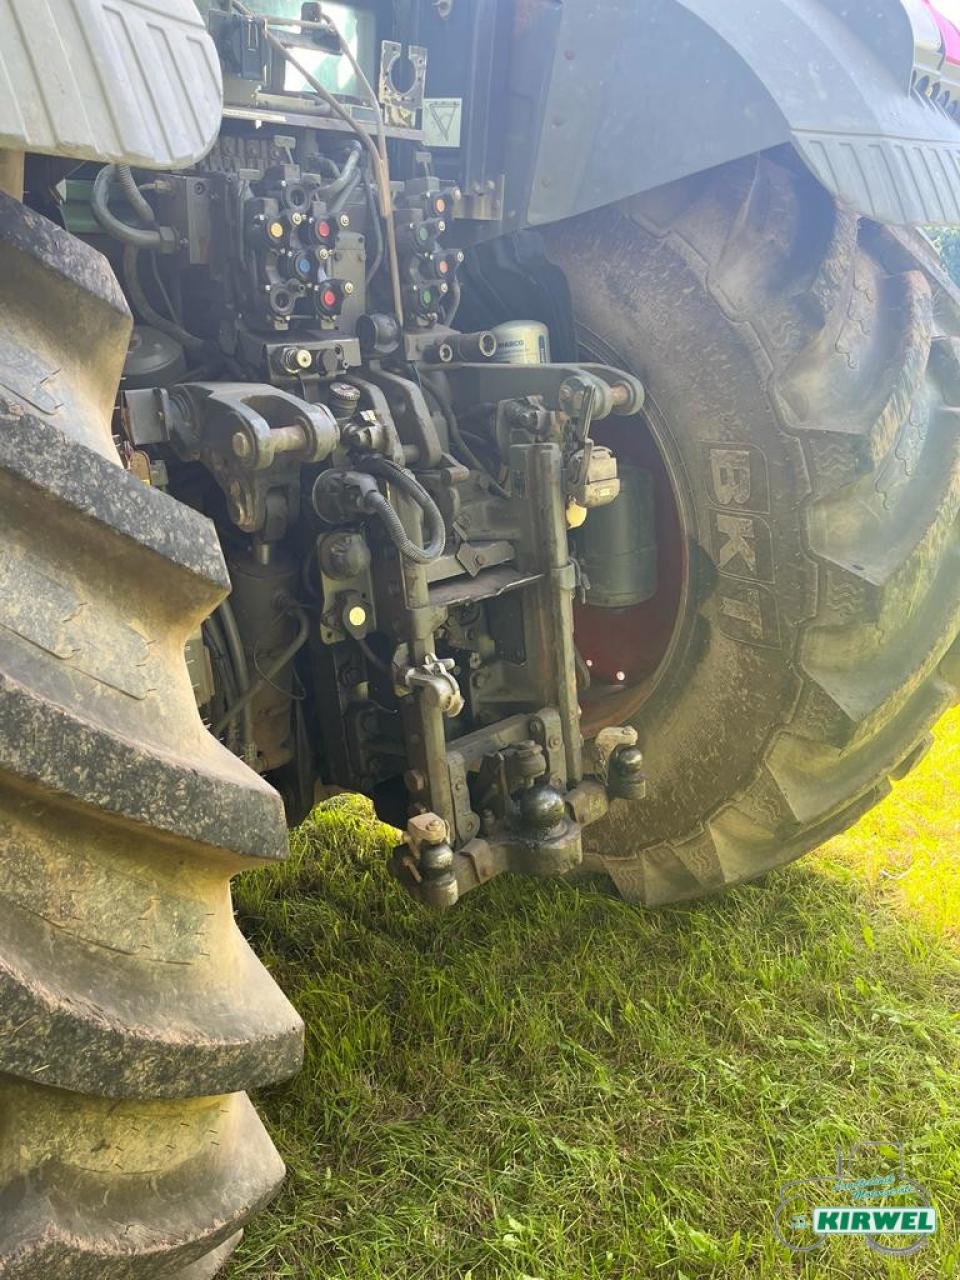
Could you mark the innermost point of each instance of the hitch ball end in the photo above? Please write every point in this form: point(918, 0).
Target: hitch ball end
point(424, 862)
point(625, 777)
point(542, 810)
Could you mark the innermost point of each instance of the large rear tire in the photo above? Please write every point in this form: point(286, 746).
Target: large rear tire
point(132, 1012)
point(802, 366)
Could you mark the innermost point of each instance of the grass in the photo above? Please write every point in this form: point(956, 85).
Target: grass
point(550, 1083)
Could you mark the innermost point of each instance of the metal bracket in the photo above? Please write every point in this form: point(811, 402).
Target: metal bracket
point(435, 678)
point(253, 438)
point(401, 105)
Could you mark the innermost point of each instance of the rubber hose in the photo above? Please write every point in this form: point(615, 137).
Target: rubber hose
point(346, 173)
point(213, 637)
point(231, 634)
point(373, 218)
point(378, 505)
point(453, 301)
point(461, 448)
point(337, 205)
point(384, 469)
point(325, 165)
point(144, 308)
point(141, 205)
point(140, 237)
point(274, 669)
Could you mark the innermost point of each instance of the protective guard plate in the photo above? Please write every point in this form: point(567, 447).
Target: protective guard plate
point(120, 80)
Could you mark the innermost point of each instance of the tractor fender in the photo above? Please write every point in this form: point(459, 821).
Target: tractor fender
point(641, 94)
point(120, 80)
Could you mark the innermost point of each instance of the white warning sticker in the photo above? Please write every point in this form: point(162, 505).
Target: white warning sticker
point(441, 121)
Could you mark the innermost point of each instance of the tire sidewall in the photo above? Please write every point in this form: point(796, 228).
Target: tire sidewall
point(739, 481)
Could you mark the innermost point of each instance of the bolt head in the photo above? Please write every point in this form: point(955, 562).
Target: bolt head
point(242, 445)
point(435, 829)
point(344, 221)
point(348, 287)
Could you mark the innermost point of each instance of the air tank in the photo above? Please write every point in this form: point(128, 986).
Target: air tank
point(522, 342)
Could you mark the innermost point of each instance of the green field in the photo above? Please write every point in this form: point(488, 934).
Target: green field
point(547, 1082)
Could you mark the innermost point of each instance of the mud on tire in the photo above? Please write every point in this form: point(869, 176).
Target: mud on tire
point(132, 1013)
point(803, 369)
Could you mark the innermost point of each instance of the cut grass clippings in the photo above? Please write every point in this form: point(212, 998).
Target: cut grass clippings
point(548, 1082)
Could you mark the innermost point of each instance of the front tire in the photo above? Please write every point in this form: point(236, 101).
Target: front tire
point(802, 366)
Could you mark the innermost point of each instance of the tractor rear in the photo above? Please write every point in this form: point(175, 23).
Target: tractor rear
point(568, 462)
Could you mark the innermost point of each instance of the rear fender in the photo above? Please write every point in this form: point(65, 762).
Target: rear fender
point(120, 80)
point(643, 93)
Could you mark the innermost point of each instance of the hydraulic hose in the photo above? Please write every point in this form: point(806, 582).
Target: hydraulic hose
point(407, 483)
point(217, 645)
point(343, 178)
point(243, 703)
point(379, 506)
point(241, 672)
point(460, 446)
point(140, 237)
point(133, 244)
point(140, 204)
point(336, 206)
point(324, 165)
point(145, 309)
point(453, 302)
point(375, 259)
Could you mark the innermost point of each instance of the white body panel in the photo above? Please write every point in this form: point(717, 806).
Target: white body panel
point(119, 80)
